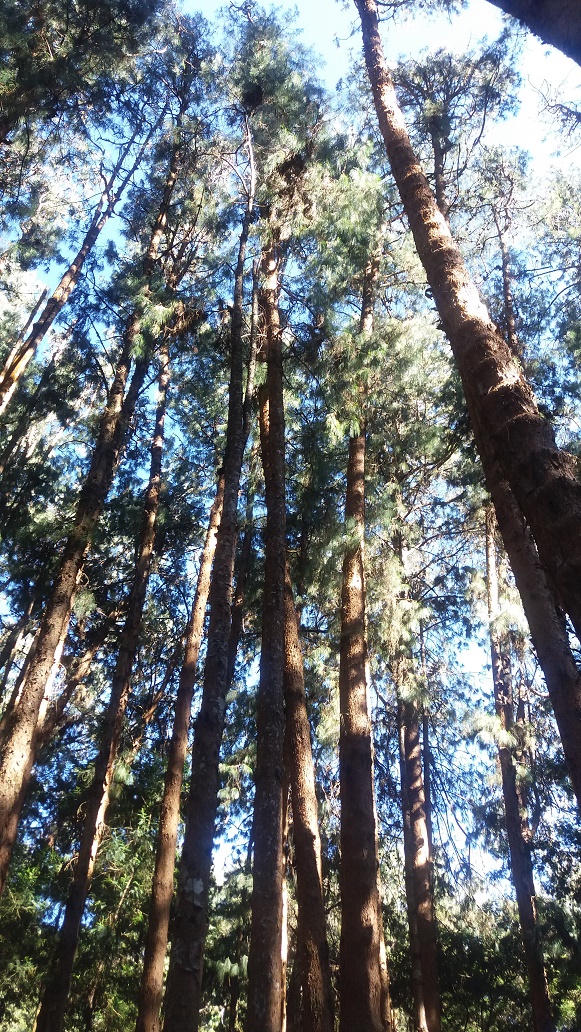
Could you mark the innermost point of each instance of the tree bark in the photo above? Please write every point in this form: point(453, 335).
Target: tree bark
point(18, 753)
point(265, 988)
point(53, 1009)
point(542, 478)
point(163, 878)
point(360, 989)
point(516, 822)
point(418, 871)
point(316, 972)
point(557, 22)
point(23, 352)
point(546, 621)
point(363, 982)
point(183, 991)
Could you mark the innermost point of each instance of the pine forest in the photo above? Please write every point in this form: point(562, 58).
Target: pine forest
point(290, 516)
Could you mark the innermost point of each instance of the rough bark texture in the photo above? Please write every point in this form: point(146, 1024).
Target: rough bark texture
point(163, 877)
point(360, 990)
point(53, 1009)
point(265, 987)
point(542, 478)
point(363, 980)
point(418, 873)
point(516, 822)
point(316, 972)
point(183, 991)
point(17, 752)
point(557, 22)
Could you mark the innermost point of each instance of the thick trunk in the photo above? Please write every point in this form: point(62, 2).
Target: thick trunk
point(17, 753)
point(542, 478)
point(265, 987)
point(557, 22)
point(418, 874)
point(183, 991)
point(163, 877)
point(516, 823)
point(317, 986)
point(23, 351)
point(55, 1000)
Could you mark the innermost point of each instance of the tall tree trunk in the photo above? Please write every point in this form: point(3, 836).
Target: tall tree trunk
point(508, 300)
point(557, 22)
point(23, 351)
point(183, 991)
point(546, 621)
point(360, 990)
point(265, 987)
point(542, 478)
point(163, 877)
point(55, 1000)
point(418, 868)
point(363, 987)
point(316, 972)
point(17, 753)
point(516, 822)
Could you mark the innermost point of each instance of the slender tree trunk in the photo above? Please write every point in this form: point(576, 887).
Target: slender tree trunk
point(163, 878)
point(363, 985)
point(557, 22)
point(420, 1022)
point(54, 713)
point(542, 478)
point(546, 622)
point(316, 980)
point(183, 990)
point(18, 751)
point(55, 1000)
point(12, 644)
point(509, 312)
point(294, 994)
point(418, 868)
point(516, 822)
point(23, 351)
point(360, 988)
point(265, 987)
point(17, 754)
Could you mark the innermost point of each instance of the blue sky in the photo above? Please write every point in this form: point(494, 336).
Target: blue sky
point(331, 28)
